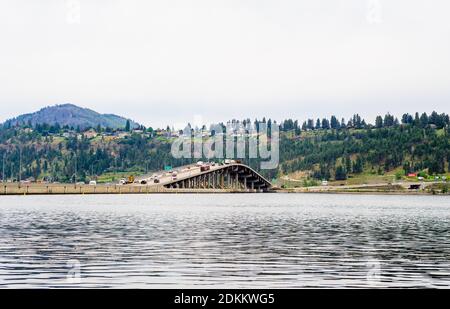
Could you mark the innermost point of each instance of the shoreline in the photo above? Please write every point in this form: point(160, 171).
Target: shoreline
point(70, 189)
point(405, 193)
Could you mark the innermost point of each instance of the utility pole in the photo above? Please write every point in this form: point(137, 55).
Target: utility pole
point(20, 164)
point(92, 168)
point(75, 175)
point(3, 170)
point(115, 166)
point(53, 176)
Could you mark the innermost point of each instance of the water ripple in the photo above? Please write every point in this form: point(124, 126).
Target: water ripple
point(225, 241)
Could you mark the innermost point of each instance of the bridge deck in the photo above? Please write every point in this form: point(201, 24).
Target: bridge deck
point(234, 176)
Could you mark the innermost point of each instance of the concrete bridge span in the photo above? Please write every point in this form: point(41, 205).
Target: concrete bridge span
point(231, 177)
point(235, 176)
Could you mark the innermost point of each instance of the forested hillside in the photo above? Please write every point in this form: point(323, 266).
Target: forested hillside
point(333, 150)
point(69, 115)
point(322, 149)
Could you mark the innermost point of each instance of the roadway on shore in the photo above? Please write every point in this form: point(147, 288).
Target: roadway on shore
point(368, 187)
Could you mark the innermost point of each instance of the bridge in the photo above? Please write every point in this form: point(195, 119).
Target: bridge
point(233, 177)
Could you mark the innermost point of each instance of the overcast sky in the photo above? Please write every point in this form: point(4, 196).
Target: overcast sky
point(163, 62)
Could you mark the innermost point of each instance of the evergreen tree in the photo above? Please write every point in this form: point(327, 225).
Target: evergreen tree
point(325, 124)
point(358, 166)
point(379, 122)
point(424, 120)
point(304, 126)
point(334, 123)
point(341, 173)
point(318, 124)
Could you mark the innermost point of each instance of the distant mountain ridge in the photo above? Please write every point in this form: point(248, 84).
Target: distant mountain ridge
point(72, 116)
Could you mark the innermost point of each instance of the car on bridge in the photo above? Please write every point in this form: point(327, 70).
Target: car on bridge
point(205, 168)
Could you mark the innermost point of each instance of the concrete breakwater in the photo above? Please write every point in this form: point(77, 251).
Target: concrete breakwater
point(47, 189)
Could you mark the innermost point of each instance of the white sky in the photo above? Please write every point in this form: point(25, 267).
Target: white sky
point(162, 62)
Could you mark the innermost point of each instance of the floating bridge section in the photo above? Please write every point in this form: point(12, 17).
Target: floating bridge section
point(234, 177)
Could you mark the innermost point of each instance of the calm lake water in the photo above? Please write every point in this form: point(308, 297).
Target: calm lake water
point(225, 241)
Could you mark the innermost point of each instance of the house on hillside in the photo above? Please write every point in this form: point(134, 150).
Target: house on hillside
point(122, 135)
point(67, 134)
point(164, 133)
point(90, 134)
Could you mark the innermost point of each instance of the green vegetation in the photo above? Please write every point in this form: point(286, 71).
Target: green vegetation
point(69, 115)
point(351, 151)
point(419, 144)
point(60, 154)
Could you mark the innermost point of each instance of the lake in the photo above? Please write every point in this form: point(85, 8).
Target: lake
point(224, 241)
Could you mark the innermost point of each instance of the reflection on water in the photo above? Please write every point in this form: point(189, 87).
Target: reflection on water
point(225, 241)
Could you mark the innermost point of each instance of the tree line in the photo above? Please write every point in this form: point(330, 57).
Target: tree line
point(331, 150)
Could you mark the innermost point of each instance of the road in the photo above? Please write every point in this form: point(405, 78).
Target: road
point(381, 186)
point(185, 171)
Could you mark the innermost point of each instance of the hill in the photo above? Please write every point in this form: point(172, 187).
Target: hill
point(349, 152)
point(69, 115)
point(358, 152)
